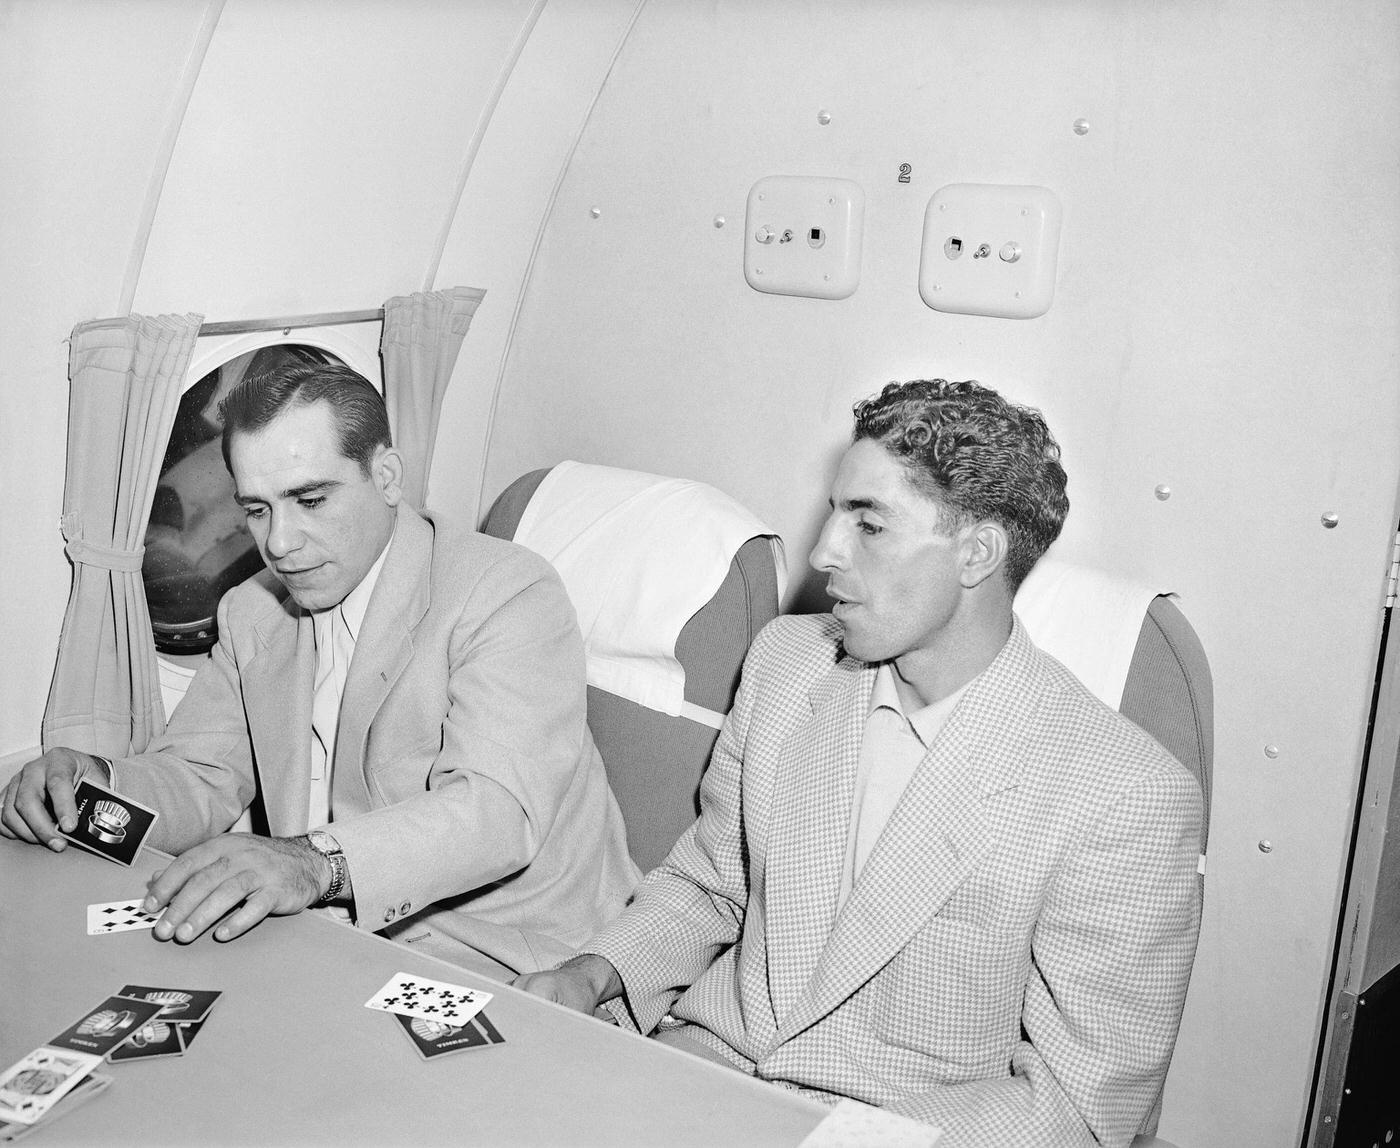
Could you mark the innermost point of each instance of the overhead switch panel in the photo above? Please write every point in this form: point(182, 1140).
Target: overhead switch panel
point(990, 250)
point(802, 236)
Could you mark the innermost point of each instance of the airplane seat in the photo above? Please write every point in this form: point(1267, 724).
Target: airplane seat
point(1153, 671)
point(654, 760)
point(1169, 694)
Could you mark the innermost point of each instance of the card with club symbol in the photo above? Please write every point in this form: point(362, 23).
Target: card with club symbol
point(432, 1000)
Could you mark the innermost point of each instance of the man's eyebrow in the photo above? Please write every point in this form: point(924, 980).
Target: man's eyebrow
point(291, 492)
point(860, 504)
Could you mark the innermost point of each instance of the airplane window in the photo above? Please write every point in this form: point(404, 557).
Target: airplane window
point(197, 544)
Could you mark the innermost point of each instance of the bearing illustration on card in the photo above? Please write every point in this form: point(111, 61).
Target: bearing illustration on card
point(434, 1038)
point(154, 1038)
point(109, 824)
point(178, 1006)
point(432, 1000)
point(113, 1022)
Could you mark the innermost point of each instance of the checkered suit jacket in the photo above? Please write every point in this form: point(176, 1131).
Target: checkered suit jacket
point(1012, 961)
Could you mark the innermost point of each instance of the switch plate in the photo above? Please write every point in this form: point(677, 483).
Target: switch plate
point(802, 236)
point(990, 249)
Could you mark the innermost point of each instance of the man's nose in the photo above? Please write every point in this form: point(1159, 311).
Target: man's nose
point(283, 535)
point(826, 554)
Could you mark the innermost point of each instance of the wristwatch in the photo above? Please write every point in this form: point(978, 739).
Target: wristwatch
point(329, 848)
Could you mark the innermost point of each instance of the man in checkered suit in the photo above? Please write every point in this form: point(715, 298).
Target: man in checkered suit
point(931, 871)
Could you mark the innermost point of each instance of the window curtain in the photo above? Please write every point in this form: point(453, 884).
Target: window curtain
point(422, 335)
point(125, 377)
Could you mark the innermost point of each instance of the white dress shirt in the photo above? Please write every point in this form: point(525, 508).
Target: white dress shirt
point(337, 630)
point(890, 752)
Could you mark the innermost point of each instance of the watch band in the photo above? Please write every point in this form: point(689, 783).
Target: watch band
point(329, 848)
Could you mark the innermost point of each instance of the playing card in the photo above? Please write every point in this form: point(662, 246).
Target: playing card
point(432, 1000)
point(152, 1039)
point(178, 1006)
point(432, 1038)
point(111, 1023)
point(33, 1085)
point(188, 1032)
point(118, 917)
point(86, 1088)
point(110, 824)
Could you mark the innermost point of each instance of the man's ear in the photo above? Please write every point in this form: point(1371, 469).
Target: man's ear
point(984, 553)
point(386, 469)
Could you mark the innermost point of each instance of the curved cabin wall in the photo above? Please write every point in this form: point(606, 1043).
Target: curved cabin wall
point(1226, 321)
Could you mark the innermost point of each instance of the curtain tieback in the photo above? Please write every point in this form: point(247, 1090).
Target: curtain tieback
point(87, 554)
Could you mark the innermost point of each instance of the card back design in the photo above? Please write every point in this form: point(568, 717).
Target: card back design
point(109, 824)
point(434, 1038)
point(113, 1022)
point(178, 1006)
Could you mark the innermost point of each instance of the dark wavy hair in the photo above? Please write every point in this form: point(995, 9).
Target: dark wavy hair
point(978, 456)
point(361, 419)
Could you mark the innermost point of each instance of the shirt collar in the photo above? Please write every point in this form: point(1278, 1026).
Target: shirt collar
point(356, 603)
point(925, 721)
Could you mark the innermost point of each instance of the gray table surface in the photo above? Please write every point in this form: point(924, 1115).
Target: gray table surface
point(290, 1056)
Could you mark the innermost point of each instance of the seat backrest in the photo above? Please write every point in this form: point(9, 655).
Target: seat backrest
point(655, 761)
point(1169, 693)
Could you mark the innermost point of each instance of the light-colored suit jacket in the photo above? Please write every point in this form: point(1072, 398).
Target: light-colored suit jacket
point(469, 799)
point(1012, 961)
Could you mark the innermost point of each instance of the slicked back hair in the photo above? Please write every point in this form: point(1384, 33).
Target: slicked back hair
point(978, 456)
point(361, 419)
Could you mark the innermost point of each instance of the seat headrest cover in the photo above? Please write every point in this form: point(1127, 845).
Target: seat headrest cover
point(639, 554)
point(1087, 619)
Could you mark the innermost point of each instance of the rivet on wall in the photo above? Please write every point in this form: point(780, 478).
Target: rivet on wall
point(1163, 492)
point(1330, 520)
point(719, 221)
point(1081, 127)
point(595, 212)
point(823, 117)
point(1266, 846)
point(1271, 751)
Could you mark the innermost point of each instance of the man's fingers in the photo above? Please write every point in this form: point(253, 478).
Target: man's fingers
point(60, 792)
point(182, 887)
point(32, 809)
point(207, 897)
point(254, 909)
point(11, 823)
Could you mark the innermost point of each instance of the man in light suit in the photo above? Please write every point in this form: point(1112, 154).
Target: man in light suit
point(402, 699)
point(931, 871)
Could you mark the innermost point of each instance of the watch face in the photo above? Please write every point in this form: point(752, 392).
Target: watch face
point(323, 842)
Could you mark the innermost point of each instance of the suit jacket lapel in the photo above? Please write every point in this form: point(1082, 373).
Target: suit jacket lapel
point(383, 650)
point(935, 838)
point(277, 688)
point(815, 780)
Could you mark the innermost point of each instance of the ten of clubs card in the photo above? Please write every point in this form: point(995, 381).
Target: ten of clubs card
point(432, 1000)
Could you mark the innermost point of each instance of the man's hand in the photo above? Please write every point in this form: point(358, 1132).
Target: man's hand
point(261, 876)
point(39, 798)
point(581, 983)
